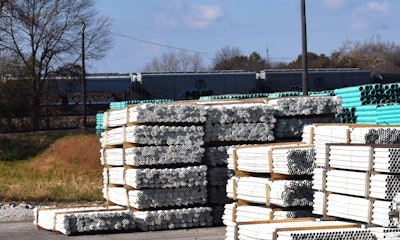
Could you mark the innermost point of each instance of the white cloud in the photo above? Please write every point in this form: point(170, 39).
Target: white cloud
point(203, 16)
point(381, 7)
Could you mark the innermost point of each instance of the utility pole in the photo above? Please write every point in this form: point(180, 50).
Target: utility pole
point(304, 75)
point(83, 78)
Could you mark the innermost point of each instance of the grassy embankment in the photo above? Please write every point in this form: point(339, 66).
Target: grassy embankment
point(40, 168)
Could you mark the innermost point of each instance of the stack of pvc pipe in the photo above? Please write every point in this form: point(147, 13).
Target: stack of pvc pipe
point(348, 207)
point(170, 113)
point(112, 156)
point(116, 118)
point(284, 193)
point(384, 186)
point(347, 182)
point(293, 106)
point(382, 214)
point(163, 155)
point(303, 230)
point(285, 158)
point(81, 219)
point(388, 114)
point(247, 213)
point(311, 110)
point(239, 122)
point(362, 104)
point(174, 218)
point(387, 160)
point(385, 233)
point(164, 135)
point(190, 176)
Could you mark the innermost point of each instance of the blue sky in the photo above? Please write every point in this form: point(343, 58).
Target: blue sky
point(143, 28)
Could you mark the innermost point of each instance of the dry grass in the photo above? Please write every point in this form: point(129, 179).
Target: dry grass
point(68, 171)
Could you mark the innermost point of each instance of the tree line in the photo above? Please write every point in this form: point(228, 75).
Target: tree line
point(372, 54)
point(42, 40)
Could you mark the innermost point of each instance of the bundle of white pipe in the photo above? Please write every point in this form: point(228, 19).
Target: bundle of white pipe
point(255, 158)
point(270, 231)
point(217, 132)
point(113, 175)
point(327, 234)
point(163, 155)
point(116, 194)
point(283, 193)
point(387, 160)
point(164, 135)
point(115, 118)
point(319, 204)
point(385, 233)
point(243, 214)
point(240, 113)
point(319, 179)
point(167, 113)
point(382, 214)
point(291, 106)
point(296, 161)
point(112, 137)
point(348, 207)
point(347, 182)
point(166, 177)
point(167, 197)
point(174, 218)
point(384, 186)
point(112, 156)
point(351, 157)
point(231, 229)
point(80, 219)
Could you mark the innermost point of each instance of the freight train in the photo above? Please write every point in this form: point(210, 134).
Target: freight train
point(106, 88)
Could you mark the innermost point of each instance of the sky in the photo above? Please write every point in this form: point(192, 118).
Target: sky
point(147, 29)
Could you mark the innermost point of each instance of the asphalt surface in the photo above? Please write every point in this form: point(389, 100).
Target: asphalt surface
point(27, 230)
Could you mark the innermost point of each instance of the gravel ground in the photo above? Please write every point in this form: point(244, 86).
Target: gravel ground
point(10, 212)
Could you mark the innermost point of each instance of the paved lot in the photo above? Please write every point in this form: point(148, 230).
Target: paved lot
point(27, 230)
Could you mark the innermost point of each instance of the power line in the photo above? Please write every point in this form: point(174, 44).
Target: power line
point(159, 44)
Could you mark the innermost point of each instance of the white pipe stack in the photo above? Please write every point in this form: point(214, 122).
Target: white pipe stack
point(271, 231)
point(80, 220)
point(384, 186)
point(327, 234)
point(387, 160)
point(385, 233)
point(284, 158)
point(349, 207)
point(191, 176)
point(239, 122)
point(350, 157)
point(293, 106)
point(284, 193)
point(116, 118)
point(167, 197)
point(112, 156)
point(163, 155)
point(164, 135)
point(347, 182)
point(174, 218)
point(167, 113)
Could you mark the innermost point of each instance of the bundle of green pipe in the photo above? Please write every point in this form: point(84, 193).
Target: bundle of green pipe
point(370, 104)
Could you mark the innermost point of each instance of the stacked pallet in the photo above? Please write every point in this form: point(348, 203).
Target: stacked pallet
point(361, 181)
point(258, 188)
point(73, 220)
point(152, 162)
point(322, 134)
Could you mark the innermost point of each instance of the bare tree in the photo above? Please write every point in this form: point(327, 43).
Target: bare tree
point(182, 61)
point(44, 34)
point(226, 54)
point(372, 54)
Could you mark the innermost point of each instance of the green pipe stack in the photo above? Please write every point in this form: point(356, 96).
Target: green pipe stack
point(370, 104)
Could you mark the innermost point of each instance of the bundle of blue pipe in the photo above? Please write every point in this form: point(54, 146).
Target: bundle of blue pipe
point(370, 104)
